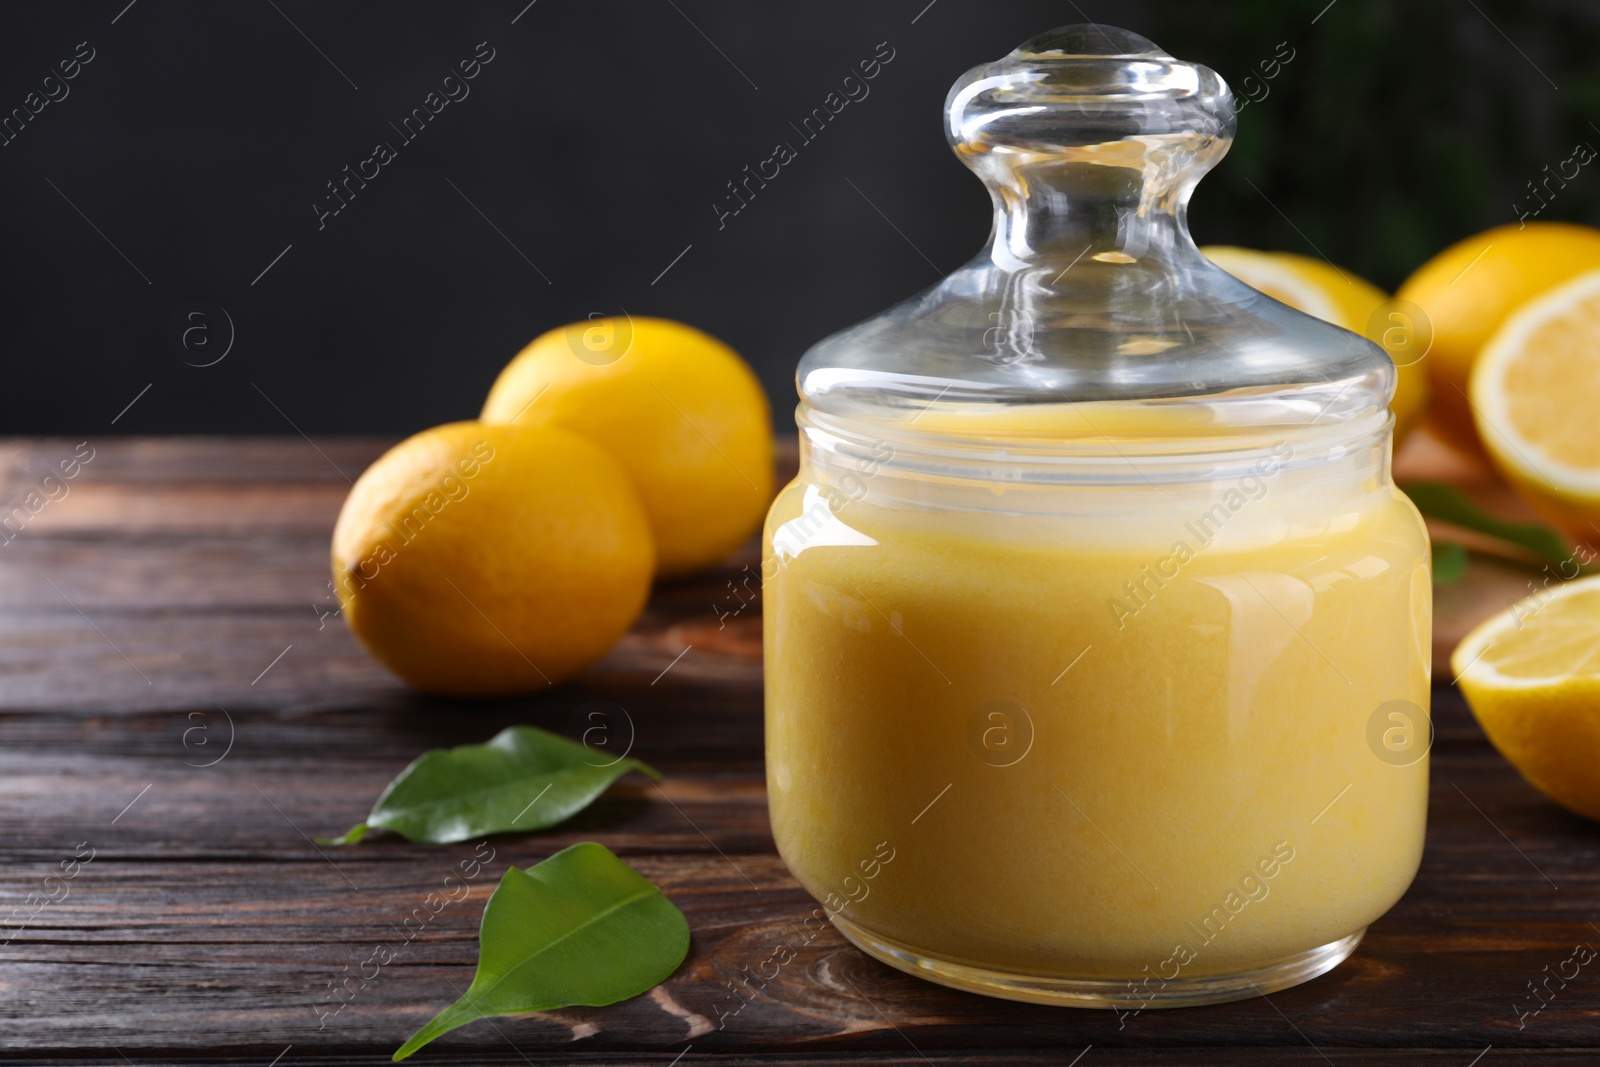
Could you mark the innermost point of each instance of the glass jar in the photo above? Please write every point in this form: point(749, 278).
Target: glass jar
point(1097, 634)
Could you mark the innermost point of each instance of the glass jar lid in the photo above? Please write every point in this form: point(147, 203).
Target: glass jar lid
point(1092, 313)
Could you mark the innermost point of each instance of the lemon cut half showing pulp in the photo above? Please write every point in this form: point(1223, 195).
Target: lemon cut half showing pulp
point(1536, 398)
point(1532, 676)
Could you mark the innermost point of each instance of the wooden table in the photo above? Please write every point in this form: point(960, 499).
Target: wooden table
point(175, 700)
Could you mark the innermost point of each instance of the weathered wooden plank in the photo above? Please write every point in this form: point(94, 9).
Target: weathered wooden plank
point(214, 859)
point(188, 460)
point(921, 1056)
point(208, 927)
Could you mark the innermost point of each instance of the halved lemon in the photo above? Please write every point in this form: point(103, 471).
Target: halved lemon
point(1535, 392)
point(1337, 296)
point(1532, 677)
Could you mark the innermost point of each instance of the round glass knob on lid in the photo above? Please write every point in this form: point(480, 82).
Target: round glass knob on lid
point(1091, 312)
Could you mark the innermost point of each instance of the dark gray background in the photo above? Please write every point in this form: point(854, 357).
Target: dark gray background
point(595, 144)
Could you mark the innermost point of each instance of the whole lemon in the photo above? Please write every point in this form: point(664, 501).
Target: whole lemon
point(1470, 288)
point(1344, 299)
point(678, 409)
point(475, 559)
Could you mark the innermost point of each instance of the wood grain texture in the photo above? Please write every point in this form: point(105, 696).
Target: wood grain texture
point(139, 614)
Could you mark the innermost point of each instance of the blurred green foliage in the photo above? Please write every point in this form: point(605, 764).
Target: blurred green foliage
point(1396, 128)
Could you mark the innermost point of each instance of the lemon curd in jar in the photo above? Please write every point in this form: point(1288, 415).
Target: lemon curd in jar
point(1096, 631)
point(1099, 745)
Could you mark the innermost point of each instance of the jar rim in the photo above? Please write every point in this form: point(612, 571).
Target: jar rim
point(1103, 460)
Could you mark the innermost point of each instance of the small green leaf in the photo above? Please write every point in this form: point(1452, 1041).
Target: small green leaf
point(523, 779)
point(580, 928)
point(351, 836)
point(1449, 562)
point(1449, 504)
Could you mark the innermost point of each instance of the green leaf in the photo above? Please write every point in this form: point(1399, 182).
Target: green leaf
point(1449, 504)
point(351, 836)
point(523, 779)
point(1449, 562)
point(580, 928)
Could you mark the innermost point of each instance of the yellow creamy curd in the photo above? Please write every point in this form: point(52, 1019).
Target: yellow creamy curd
point(1093, 746)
